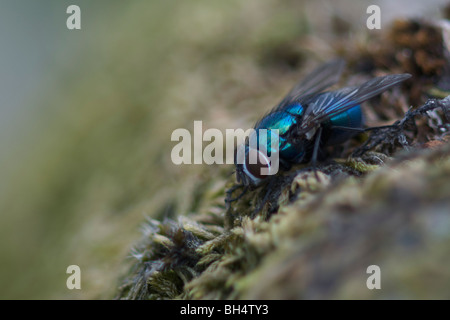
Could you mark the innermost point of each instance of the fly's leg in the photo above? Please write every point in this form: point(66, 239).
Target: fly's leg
point(356, 130)
point(229, 216)
point(264, 200)
point(315, 152)
point(230, 191)
point(375, 140)
point(361, 130)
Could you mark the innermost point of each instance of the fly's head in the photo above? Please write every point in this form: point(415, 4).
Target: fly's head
point(254, 164)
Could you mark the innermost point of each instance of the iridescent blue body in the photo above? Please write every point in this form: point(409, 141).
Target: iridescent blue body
point(309, 118)
point(288, 117)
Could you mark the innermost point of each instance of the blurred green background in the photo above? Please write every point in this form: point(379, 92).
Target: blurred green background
point(86, 116)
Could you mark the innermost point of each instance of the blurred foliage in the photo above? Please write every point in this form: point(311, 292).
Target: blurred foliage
point(95, 160)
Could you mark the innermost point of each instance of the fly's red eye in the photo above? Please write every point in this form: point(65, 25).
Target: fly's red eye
point(255, 161)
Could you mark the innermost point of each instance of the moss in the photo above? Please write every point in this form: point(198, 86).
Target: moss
point(316, 246)
point(303, 237)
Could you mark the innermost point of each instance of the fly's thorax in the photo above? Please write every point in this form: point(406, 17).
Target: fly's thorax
point(283, 121)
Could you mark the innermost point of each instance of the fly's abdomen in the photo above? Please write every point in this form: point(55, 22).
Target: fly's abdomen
point(351, 118)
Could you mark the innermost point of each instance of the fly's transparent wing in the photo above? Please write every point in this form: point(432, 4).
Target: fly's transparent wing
point(318, 80)
point(331, 104)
